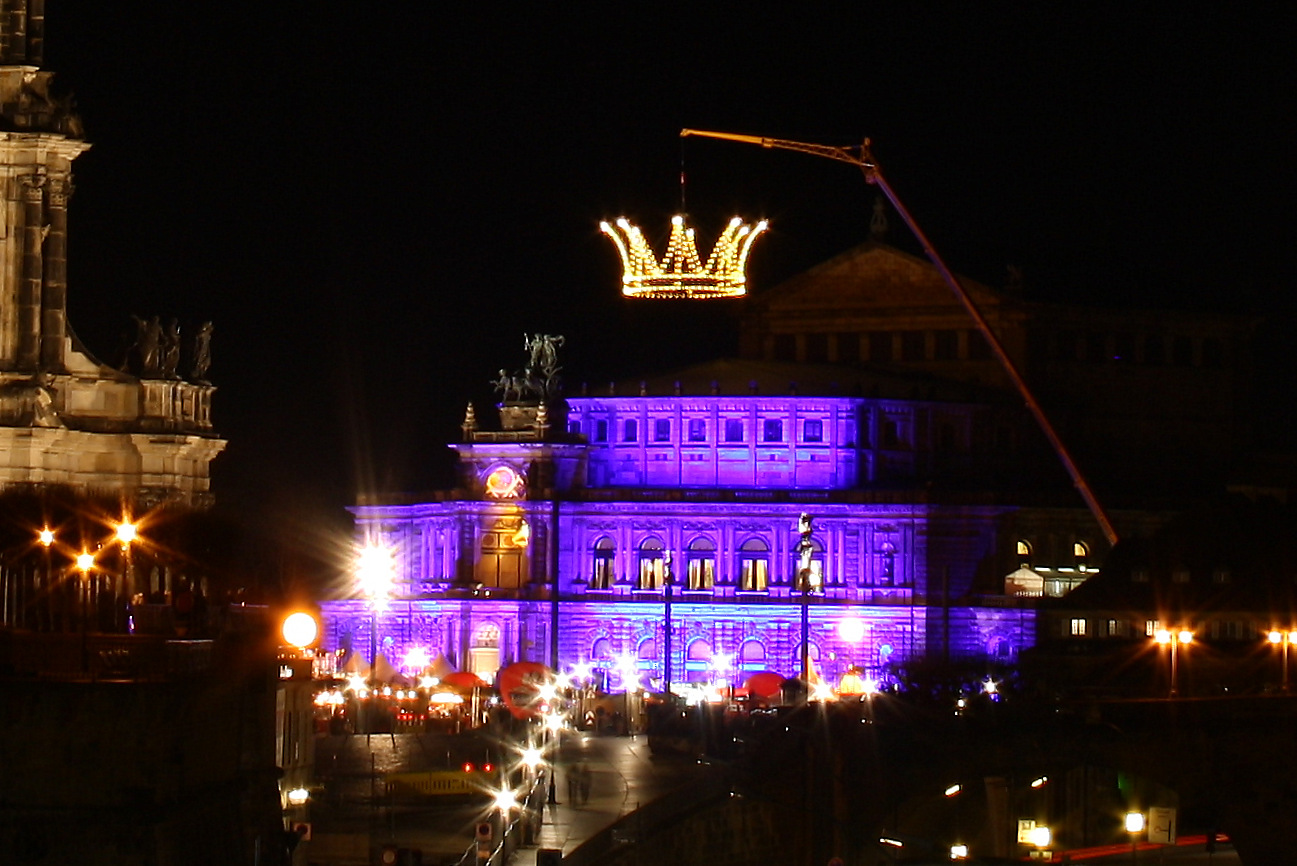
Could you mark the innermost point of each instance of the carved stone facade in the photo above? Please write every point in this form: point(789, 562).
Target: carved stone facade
point(65, 417)
point(569, 546)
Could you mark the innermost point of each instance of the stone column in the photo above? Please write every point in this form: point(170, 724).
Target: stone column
point(32, 275)
point(54, 296)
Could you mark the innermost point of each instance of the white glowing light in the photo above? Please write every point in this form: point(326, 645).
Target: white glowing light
point(953, 790)
point(417, 657)
point(298, 797)
point(958, 852)
point(505, 800)
point(375, 572)
point(1039, 836)
point(427, 682)
point(356, 683)
point(531, 757)
point(851, 630)
point(822, 692)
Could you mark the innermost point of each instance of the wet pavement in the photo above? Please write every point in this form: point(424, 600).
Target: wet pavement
point(353, 820)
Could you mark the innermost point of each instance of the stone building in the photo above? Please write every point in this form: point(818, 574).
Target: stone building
point(144, 432)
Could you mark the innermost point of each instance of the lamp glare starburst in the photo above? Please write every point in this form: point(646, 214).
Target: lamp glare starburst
point(681, 273)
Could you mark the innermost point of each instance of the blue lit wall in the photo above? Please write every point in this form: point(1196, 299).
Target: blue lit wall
point(706, 492)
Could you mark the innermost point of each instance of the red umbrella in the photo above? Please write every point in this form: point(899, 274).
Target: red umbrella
point(519, 685)
point(462, 680)
point(764, 684)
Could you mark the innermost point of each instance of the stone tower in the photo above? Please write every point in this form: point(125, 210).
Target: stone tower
point(144, 434)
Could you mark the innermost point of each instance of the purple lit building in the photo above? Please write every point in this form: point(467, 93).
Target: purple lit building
point(592, 528)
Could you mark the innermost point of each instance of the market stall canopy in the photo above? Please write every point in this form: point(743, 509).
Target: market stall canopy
point(462, 680)
point(765, 684)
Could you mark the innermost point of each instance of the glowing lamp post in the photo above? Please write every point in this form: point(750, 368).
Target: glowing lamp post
point(374, 574)
point(1174, 638)
point(1134, 826)
point(85, 563)
point(299, 630)
point(809, 583)
point(125, 533)
point(1286, 639)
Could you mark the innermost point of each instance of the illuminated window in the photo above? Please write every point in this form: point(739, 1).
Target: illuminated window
point(647, 650)
point(601, 575)
point(813, 430)
point(699, 651)
point(701, 564)
point(1078, 627)
point(733, 430)
point(1114, 628)
point(662, 430)
point(697, 430)
point(630, 431)
point(772, 430)
point(1080, 555)
point(1024, 553)
point(1152, 627)
point(652, 564)
point(754, 565)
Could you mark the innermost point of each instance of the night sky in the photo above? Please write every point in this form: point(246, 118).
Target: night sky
point(375, 201)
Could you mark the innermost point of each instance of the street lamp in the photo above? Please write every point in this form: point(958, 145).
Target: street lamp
point(374, 573)
point(125, 533)
point(85, 562)
point(808, 582)
point(1174, 638)
point(1134, 826)
point(1287, 638)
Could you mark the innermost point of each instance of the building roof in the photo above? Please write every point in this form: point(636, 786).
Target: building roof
point(737, 377)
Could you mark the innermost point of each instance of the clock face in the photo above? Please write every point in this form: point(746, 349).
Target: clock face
point(504, 482)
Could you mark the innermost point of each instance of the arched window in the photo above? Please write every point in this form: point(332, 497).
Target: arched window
point(1024, 553)
point(752, 655)
point(754, 565)
point(701, 564)
point(647, 650)
point(1081, 555)
point(652, 564)
point(700, 651)
point(601, 572)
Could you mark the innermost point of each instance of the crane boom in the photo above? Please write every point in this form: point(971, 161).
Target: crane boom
point(863, 159)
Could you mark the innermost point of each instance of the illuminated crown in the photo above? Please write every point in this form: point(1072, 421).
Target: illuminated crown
point(681, 273)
